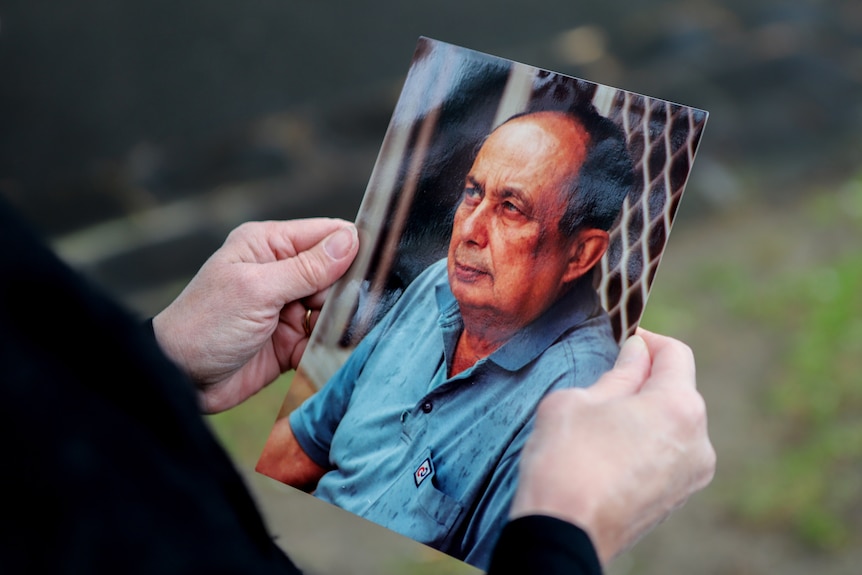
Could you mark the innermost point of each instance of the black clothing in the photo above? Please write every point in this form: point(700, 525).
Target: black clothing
point(541, 545)
point(109, 467)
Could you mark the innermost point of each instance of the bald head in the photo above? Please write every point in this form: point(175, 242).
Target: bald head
point(559, 139)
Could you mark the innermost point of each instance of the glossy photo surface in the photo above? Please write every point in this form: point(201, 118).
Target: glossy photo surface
point(510, 232)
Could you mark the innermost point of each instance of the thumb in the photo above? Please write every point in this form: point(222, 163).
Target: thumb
point(317, 268)
point(628, 374)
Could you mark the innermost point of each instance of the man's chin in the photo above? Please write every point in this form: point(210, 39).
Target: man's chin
point(469, 294)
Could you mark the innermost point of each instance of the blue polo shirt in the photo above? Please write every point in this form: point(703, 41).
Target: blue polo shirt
point(436, 458)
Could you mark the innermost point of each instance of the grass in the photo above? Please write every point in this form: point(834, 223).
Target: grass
point(817, 396)
point(809, 484)
point(243, 430)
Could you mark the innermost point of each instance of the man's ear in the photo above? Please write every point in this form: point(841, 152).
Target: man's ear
point(586, 250)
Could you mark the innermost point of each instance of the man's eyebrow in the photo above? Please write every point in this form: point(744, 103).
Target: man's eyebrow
point(474, 182)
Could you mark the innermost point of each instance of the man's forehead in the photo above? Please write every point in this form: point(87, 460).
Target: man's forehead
point(544, 145)
point(539, 134)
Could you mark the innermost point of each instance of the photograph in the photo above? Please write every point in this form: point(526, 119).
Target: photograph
point(512, 227)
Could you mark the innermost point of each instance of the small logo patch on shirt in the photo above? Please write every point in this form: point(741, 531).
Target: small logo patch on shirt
point(424, 470)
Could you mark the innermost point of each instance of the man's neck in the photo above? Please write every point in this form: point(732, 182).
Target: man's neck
point(485, 333)
point(474, 345)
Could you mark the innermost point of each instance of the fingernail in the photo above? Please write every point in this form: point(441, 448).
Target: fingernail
point(632, 349)
point(339, 243)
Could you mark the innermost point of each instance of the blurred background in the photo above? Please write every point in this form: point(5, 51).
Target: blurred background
point(135, 135)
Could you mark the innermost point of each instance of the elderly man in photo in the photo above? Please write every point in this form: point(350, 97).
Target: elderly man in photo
point(422, 428)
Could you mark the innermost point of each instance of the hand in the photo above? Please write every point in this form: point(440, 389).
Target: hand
point(241, 320)
point(617, 458)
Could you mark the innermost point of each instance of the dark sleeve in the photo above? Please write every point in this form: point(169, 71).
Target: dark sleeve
point(149, 329)
point(108, 466)
point(543, 545)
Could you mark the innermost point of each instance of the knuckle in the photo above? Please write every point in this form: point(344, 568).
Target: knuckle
point(246, 232)
point(688, 409)
point(696, 411)
point(311, 269)
point(688, 416)
point(685, 349)
point(241, 231)
point(706, 463)
point(711, 461)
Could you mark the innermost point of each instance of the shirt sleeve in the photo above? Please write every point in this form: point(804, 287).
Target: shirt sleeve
point(315, 421)
point(544, 545)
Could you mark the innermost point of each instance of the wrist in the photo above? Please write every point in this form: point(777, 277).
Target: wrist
point(580, 512)
point(166, 339)
point(539, 544)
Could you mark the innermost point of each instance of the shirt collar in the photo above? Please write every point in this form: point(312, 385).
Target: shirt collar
point(577, 305)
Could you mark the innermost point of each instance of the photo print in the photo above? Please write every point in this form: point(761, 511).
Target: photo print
point(509, 235)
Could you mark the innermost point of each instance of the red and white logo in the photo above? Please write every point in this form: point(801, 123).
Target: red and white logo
point(424, 470)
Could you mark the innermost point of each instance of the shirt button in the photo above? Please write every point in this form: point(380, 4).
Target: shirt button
point(427, 407)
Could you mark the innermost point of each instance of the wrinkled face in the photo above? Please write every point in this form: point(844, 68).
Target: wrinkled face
point(507, 257)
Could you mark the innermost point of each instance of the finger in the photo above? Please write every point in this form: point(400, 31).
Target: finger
point(628, 374)
point(294, 315)
point(316, 268)
point(290, 338)
point(316, 300)
point(262, 242)
point(673, 362)
point(297, 236)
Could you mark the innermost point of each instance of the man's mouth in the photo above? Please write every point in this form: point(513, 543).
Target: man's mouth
point(469, 273)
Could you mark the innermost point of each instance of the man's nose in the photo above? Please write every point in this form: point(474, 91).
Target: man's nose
point(474, 227)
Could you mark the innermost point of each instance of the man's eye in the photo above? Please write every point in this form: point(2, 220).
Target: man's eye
point(511, 208)
point(472, 193)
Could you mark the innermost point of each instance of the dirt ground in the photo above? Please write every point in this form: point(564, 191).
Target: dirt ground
point(735, 358)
